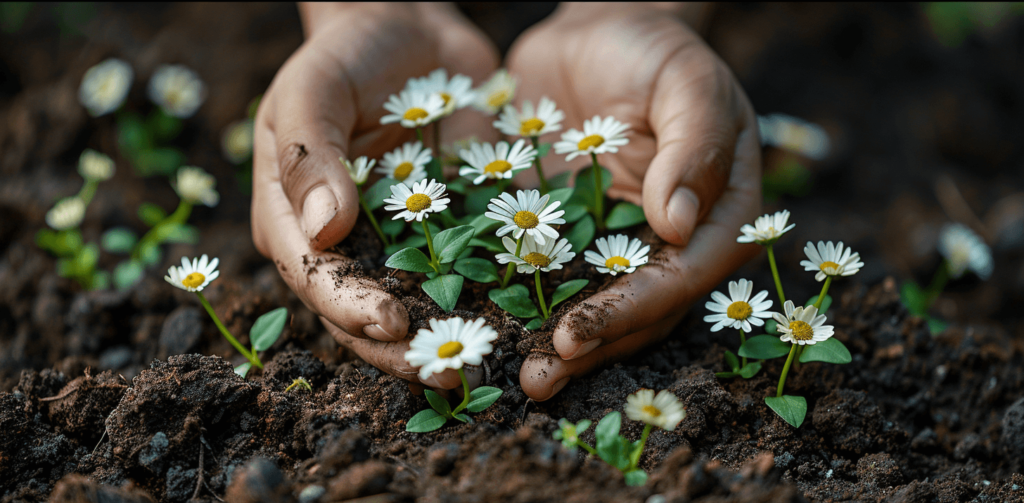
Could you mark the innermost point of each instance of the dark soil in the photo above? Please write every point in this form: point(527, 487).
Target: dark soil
point(106, 396)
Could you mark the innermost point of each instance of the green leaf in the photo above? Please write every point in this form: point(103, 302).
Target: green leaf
point(434, 229)
point(424, 421)
point(118, 240)
point(574, 212)
point(771, 327)
point(179, 233)
point(132, 135)
point(914, 298)
point(764, 347)
point(450, 243)
point(830, 350)
point(726, 375)
point(534, 324)
point(612, 448)
point(732, 361)
point(462, 417)
point(243, 369)
point(268, 328)
point(636, 477)
point(625, 214)
point(561, 195)
point(937, 326)
point(158, 161)
point(543, 149)
point(566, 290)
point(444, 290)
point(824, 304)
point(490, 243)
point(87, 258)
point(582, 426)
point(582, 234)
point(149, 253)
point(749, 370)
point(163, 126)
point(46, 239)
point(438, 403)
point(584, 193)
point(477, 269)
point(483, 225)
point(434, 169)
point(392, 227)
point(560, 181)
point(516, 300)
point(409, 259)
point(607, 431)
point(458, 186)
point(482, 398)
point(378, 192)
point(477, 199)
point(791, 409)
point(151, 214)
point(127, 274)
point(100, 280)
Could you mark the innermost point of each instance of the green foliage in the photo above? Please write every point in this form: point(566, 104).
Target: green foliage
point(635, 477)
point(915, 299)
point(534, 324)
point(611, 447)
point(582, 234)
point(118, 240)
point(392, 227)
point(477, 269)
point(438, 403)
point(449, 244)
point(127, 274)
point(566, 290)
point(830, 350)
point(569, 433)
point(268, 328)
point(764, 347)
point(483, 225)
point(825, 304)
point(543, 149)
point(13, 14)
point(243, 369)
point(746, 371)
point(772, 327)
point(584, 193)
point(376, 194)
point(482, 398)
point(410, 259)
point(788, 178)
point(424, 421)
point(560, 181)
point(625, 215)
point(444, 290)
point(792, 409)
point(477, 198)
point(151, 214)
point(516, 300)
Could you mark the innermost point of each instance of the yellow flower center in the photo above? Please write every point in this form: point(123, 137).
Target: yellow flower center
point(652, 410)
point(801, 330)
point(617, 263)
point(739, 310)
point(415, 114)
point(418, 202)
point(531, 127)
point(594, 140)
point(498, 99)
point(449, 349)
point(537, 260)
point(402, 171)
point(526, 220)
point(446, 97)
point(497, 167)
point(194, 280)
point(829, 267)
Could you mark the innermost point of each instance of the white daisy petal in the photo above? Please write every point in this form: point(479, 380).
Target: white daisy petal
point(448, 344)
point(195, 275)
point(739, 309)
point(766, 230)
point(964, 250)
point(829, 259)
point(613, 257)
point(664, 410)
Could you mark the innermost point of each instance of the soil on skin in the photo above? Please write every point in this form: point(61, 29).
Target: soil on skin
point(116, 396)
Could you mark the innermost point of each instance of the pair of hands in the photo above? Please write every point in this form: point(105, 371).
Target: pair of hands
point(693, 161)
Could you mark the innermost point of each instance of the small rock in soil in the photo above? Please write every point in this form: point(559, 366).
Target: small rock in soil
point(259, 481)
point(182, 330)
point(1012, 438)
point(79, 489)
point(879, 470)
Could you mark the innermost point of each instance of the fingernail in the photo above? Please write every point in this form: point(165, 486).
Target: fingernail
point(378, 332)
point(558, 387)
point(318, 209)
point(683, 209)
point(585, 348)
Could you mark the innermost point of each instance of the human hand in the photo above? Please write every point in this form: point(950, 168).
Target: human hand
point(693, 162)
point(325, 103)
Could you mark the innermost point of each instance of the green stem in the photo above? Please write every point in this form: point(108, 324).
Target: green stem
point(634, 459)
point(743, 340)
point(938, 283)
point(785, 370)
point(419, 135)
point(512, 265)
point(88, 190)
point(227, 335)
point(586, 447)
point(372, 219)
point(544, 187)
point(180, 215)
point(598, 194)
point(540, 295)
point(437, 141)
point(465, 392)
point(430, 246)
point(775, 274)
point(824, 291)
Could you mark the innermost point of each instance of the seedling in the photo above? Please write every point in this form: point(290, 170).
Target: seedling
point(299, 383)
point(741, 312)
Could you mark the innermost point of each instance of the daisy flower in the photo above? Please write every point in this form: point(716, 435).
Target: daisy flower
point(495, 93)
point(177, 90)
point(360, 169)
point(407, 163)
point(93, 165)
point(413, 109)
point(236, 144)
point(66, 214)
point(530, 123)
point(424, 197)
point(664, 410)
point(802, 325)
point(599, 136)
point(456, 93)
point(831, 260)
point(546, 257)
point(618, 254)
point(496, 162)
point(105, 86)
point(738, 310)
point(767, 229)
point(196, 186)
point(527, 213)
point(193, 276)
point(964, 250)
point(450, 344)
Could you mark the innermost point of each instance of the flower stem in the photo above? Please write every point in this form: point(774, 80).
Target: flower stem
point(255, 360)
point(465, 393)
point(785, 370)
point(88, 190)
point(437, 150)
point(372, 219)
point(824, 291)
point(775, 274)
point(540, 295)
point(598, 194)
point(419, 134)
point(180, 215)
point(512, 265)
point(586, 447)
point(544, 187)
point(743, 340)
point(430, 246)
point(938, 283)
point(634, 459)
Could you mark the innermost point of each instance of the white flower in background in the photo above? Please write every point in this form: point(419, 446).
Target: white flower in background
point(93, 165)
point(599, 136)
point(406, 164)
point(196, 186)
point(105, 86)
point(831, 260)
point(496, 162)
point(738, 310)
point(618, 254)
point(456, 93)
point(360, 169)
point(664, 410)
point(533, 256)
point(450, 344)
point(793, 134)
point(193, 276)
point(530, 123)
point(802, 325)
point(767, 229)
point(424, 197)
point(236, 144)
point(177, 90)
point(495, 93)
point(413, 109)
point(527, 213)
point(964, 250)
point(66, 214)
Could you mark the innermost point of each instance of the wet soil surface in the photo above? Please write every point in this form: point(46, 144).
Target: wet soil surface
point(107, 396)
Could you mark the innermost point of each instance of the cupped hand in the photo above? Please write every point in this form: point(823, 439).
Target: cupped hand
point(693, 162)
point(326, 103)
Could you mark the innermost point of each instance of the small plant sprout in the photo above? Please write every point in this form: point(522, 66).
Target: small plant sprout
point(532, 123)
point(599, 136)
point(569, 434)
point(359, 171)
point(406, 164)
point(800, 326)
point(527, 214)
point(494, 94)
point(741, 312)
point(451, 344)
point(105, 86)
point(498, 162)
point(299, 383)
point(767, 229)
point(194, 276)
point(536, 258)
point(618, 254)
point(177, 90)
